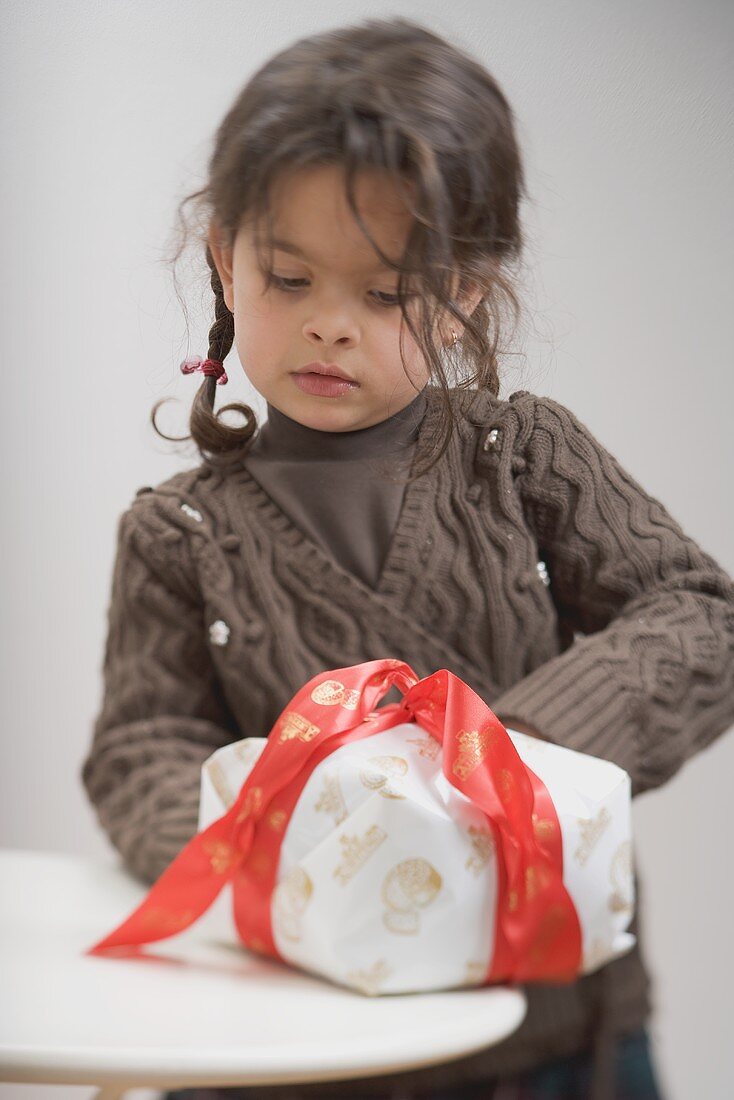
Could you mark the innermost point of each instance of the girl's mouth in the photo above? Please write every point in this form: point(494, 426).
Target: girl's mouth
point(323, 385)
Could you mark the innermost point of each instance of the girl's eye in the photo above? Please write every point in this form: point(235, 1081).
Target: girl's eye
point(283, 283)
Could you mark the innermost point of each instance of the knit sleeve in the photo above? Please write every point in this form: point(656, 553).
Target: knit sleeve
point(649, 678)
point(162, 711)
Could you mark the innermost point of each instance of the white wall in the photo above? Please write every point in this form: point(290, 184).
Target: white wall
point(625, 114)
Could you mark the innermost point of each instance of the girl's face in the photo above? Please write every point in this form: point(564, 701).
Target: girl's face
point(332, 300)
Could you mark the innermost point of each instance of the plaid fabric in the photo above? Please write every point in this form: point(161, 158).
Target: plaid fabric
point(567, 1079)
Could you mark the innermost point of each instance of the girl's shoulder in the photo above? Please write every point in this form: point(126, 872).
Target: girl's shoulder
point(528, 431)
point(522, 410)
point(489, 417)
point(169, 527)
point(183, 494)
point(479, 405)
point(166, 513)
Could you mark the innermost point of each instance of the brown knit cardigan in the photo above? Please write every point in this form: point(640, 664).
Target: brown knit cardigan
point(527, 561)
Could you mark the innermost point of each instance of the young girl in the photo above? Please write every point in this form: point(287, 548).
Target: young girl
point(361, 227)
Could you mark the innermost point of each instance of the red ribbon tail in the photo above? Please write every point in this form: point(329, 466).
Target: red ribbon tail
point(185, 890)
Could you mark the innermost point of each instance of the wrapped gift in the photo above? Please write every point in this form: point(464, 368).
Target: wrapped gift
point(403, 848)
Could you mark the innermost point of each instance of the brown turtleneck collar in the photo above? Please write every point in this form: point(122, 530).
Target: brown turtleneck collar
point(338, 487)
point(281, 438)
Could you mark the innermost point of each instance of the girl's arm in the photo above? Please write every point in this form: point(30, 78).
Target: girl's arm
point(650, 680)
point(162, 711)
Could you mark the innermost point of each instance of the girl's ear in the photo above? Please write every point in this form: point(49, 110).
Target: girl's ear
point(469, 299)
point(222, 256)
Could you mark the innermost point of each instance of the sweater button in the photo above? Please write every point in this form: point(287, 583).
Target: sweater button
point(543, 573)
point(491, 439)
point(231, 542)
point(193, 512)
point(474, 492)
point(219, 632)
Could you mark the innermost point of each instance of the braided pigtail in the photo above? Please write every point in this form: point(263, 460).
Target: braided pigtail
point(219, 444)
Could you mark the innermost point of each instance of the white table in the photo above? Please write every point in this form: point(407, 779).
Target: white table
point(201, 1012)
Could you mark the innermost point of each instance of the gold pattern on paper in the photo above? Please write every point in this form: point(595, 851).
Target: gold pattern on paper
point(246, 751)
point(166, 920)
point(252, 803)
point(473, 747)
point(381, 773)
point(331, 800)
point(332, 693)
point(591, 829)
point(476, 973)
point(295, 725)
point(276, 820)
point(543, 827)
point(482, 842)
point(290, 898)
point(513, 900)
point(222, 855)
point(356, 852)
point(621, 875)
point(409, 886)
point(370, 979)
point(215, 772)
point(427, 746)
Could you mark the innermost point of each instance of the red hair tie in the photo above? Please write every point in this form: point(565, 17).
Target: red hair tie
point(206, 366)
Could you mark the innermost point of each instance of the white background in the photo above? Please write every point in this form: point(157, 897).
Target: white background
point(624, 115)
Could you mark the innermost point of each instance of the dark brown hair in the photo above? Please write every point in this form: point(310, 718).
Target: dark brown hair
point(392, 95)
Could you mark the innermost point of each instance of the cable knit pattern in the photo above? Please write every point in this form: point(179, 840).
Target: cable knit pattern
point(621, 645)
point(653, 682)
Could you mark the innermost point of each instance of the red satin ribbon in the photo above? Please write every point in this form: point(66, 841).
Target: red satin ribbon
point(537, 931)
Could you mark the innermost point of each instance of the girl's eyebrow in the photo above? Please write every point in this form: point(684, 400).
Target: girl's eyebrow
point(288, 246)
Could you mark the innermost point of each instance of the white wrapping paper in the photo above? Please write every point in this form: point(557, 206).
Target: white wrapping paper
point(387, 875)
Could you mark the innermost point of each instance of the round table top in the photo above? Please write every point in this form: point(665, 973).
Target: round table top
point(195, 1010)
